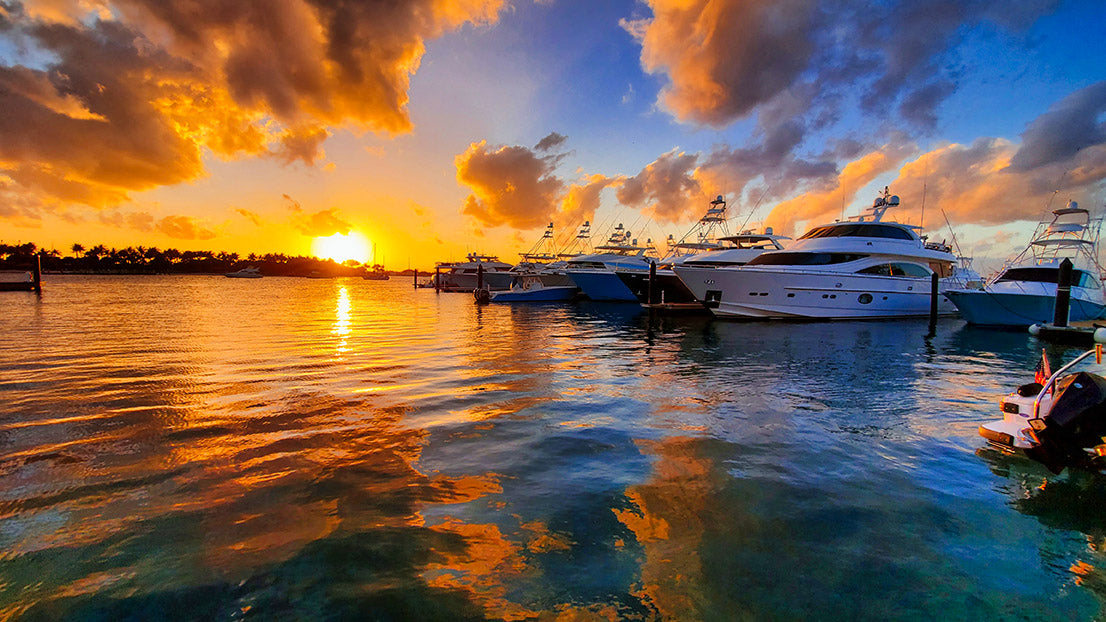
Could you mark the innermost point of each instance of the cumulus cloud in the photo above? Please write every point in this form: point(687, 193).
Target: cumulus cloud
point(184, 228)
point(581, 200)
point(322, 223)
point(1074, 123)
point(724, 59)
point(825, 203)
point(125, 93)
point(666, 186)
point(510, 185)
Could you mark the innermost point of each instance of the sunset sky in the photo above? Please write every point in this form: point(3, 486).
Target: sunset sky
point(433, 128)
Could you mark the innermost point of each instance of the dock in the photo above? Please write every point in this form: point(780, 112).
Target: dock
point(1083, 333)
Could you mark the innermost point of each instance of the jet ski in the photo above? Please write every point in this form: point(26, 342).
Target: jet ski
point(1058, 420)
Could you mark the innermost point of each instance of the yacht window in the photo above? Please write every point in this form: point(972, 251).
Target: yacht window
point(1030, 275)
point(896, 269)
point(1079, 278)
point(803, 259)
point(858, 230)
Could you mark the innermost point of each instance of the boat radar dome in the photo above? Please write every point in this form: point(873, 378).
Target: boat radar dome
point(894, 200)
point(768, 231)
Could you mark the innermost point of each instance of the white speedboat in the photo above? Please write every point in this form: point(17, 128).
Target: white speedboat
point(595, 274)
point(1059, 419)
point(245, 273)
point(531, 288)
point(464, 276)
point(861, 268)
point(1023, 292)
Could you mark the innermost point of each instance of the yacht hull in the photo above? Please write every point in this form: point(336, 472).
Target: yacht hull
point(749, 293)
point(467, 282)
point(602, 285)
point(558, 293)
point(1019, 309)
point(667, 287)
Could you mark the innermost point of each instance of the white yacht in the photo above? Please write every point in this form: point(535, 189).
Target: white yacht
point(1023, 292)
point(245, 273)
point(860, 268)
point(595, 274)
point(463, 276)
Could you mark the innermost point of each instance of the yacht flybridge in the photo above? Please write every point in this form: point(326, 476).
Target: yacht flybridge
point(700, 246)
point(1023, 292)
point(860, 268)
point(595, 274)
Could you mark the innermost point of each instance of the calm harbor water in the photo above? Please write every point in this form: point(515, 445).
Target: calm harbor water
point(208, 448)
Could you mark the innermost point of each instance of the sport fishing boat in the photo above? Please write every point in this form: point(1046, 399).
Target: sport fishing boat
point(464, 276)
point(1059, 419)
point(701, 243)
point(860, 268)
point(595, 274)
point(1023, 292)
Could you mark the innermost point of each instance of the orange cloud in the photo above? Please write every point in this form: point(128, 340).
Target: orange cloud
point(581, 201)
point(723, 57)
point(825, 203)
point(510, 186)
point(131, 90)
point(184, 228)
point(667, 186)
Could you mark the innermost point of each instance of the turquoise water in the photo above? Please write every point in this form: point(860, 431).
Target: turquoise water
point(207, 448)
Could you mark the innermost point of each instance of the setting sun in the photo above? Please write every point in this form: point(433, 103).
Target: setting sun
point(341, 247)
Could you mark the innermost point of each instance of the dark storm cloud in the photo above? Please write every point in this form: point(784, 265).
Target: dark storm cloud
point(1071, 125)
point(550, 142)
point(724, 59)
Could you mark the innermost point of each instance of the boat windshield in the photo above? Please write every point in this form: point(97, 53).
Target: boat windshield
point(803, 259)
point(858, 230)
point(1079, 278)
point(896, 269)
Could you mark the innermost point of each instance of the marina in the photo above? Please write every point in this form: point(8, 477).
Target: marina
point(329, 452)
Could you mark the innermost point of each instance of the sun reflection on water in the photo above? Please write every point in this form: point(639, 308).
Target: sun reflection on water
point(341, 328)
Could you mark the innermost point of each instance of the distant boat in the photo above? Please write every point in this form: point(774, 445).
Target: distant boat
point(376, 273)
point(1023, 292)
point(16, 282)
point(463, 276)
point(245, 273)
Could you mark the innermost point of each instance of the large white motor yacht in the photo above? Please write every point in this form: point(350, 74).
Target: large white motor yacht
point(1023, 292)
point(463, 276)
point(860, 268)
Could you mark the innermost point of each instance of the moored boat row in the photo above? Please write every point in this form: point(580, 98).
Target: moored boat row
point(863, 267)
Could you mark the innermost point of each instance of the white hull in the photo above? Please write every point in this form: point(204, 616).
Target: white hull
point(779, 294)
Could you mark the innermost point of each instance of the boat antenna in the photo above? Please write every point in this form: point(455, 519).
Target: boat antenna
point(753, 211)
point(925, 182)
point(952, 233)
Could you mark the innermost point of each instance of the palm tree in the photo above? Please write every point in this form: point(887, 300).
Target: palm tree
point(77, 249)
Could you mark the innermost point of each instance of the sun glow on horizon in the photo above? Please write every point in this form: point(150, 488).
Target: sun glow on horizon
point(341, 247)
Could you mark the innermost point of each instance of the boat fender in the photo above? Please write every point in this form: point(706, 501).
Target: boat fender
point(482, 296)
point(1035, 329)
point(1100, 334)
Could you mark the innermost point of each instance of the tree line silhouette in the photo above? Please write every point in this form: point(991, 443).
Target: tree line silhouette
point(100, 259)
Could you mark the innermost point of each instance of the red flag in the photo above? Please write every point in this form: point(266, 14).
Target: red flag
point(1044, 370)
